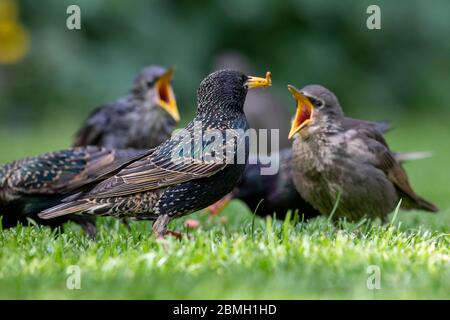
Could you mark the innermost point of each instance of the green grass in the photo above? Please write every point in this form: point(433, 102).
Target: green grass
point(242, 257)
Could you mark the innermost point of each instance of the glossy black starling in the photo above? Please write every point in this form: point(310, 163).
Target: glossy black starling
point(141, 120)
point(30, 185)
point(177, 179)
point(349, 169)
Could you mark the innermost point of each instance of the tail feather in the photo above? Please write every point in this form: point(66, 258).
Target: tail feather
point(418, 203)
point(414, 155)
point(70, 208)
point(423, 204)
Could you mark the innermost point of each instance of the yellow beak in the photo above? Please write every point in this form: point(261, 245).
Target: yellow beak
point(257, 82)
point(166, 97)
point(304, 111)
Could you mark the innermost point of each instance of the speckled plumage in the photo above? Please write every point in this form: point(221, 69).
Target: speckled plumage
point(134, 121)
point(160, 187)
point(137, 121)
point(30, 185)
point(332, 161)
point(269, 194)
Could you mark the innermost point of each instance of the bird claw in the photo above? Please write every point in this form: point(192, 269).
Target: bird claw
point(175, 234)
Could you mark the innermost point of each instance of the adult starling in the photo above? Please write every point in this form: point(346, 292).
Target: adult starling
point(346, 168)
point(174, 180)
point(30, 185)
point(141, 120)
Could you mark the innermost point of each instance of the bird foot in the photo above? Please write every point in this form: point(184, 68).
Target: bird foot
point(192, 224)
point(220, 205)
point(175, 234)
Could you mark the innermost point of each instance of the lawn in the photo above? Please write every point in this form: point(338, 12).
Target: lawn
point(240, 256)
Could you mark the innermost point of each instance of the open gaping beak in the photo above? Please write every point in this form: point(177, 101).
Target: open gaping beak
point(304, 112)
point(257, 82)
point(165, 95)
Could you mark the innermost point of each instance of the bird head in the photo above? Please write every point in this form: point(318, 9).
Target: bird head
point(315, 105)
point(226, 90)
point(154, 84)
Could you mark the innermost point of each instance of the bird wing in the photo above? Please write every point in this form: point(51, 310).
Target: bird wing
point(92, 131)
point(161, 169)
point(89, 132)
point(64, 171)
point(381, 126)
point(384, 159)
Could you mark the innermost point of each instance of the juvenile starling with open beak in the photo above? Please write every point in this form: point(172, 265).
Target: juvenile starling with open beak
point(347, 168)
point(30, 185)
point(141, 120)
point(176, 179)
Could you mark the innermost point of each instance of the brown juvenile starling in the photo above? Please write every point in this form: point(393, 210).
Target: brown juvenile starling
point(141, 120)
point(350, 167)
point(173, 181)
point(276, 193)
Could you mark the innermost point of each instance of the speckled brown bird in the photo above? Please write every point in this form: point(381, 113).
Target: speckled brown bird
point(176, 178)
point(351, 167)
point(143, 119)
point(276, 193)
point(30, 185)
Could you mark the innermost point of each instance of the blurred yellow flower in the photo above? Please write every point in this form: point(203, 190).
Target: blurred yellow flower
point(8, 10)
point(14, 38)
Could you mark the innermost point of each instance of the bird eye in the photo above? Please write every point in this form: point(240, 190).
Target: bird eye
point(317, 103)
point(150, 83)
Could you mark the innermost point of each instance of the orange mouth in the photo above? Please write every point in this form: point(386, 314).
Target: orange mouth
point(304, 113)
point(166, 96)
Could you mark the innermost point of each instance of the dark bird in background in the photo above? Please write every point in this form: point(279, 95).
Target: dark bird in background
point(173, 181)
point(30, 185)
point(264, 110)
point(347, 166)
point(269, 194)
point(143, 119)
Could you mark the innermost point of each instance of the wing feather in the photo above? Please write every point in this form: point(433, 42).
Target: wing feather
point(385, 160)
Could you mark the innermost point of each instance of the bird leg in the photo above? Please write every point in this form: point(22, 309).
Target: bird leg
point(160, 228)
point(218, 206)
point(87, 224)
point(126, 223)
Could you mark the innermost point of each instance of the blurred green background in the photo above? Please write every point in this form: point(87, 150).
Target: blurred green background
point(399, 73)
point(54, 77)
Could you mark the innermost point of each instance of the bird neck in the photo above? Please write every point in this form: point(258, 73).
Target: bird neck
point(220, 114)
